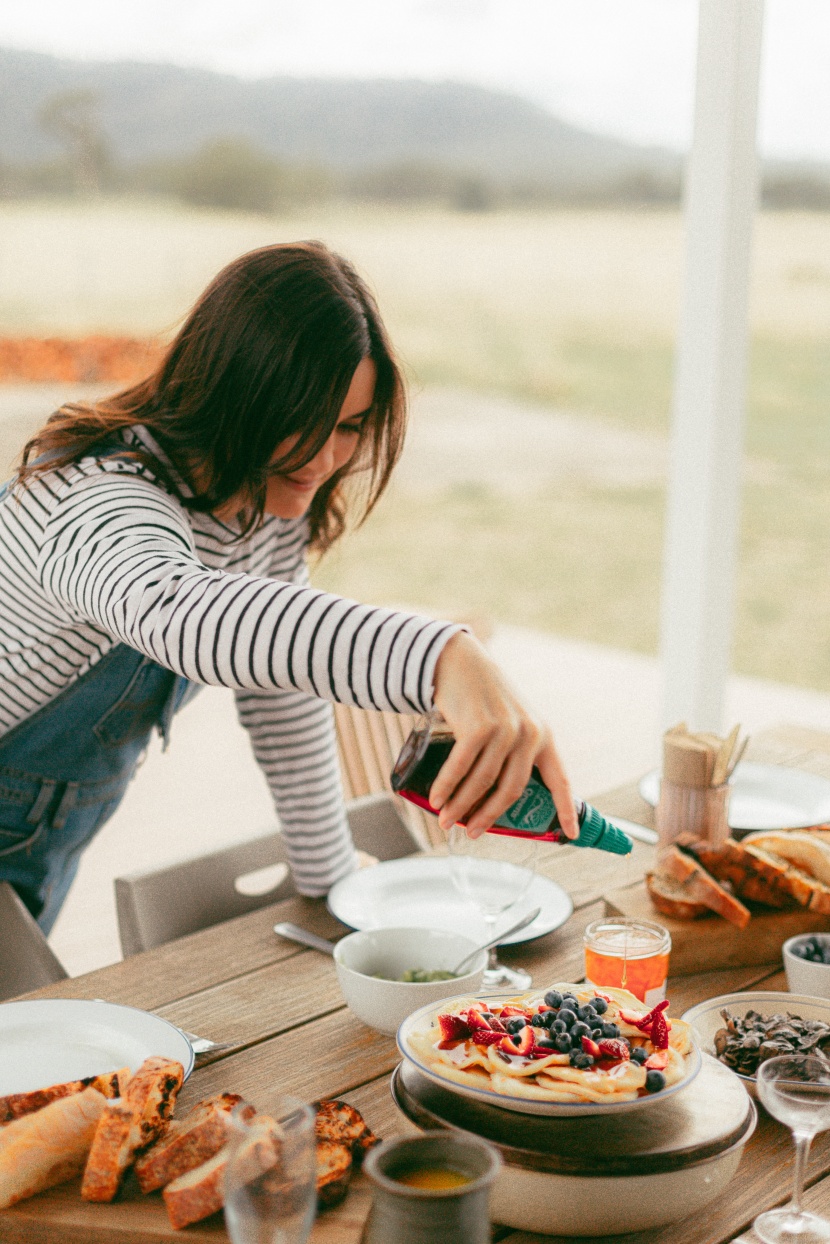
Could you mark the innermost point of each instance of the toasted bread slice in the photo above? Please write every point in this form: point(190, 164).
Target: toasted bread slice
point(669, 897)
point(48, 1146)
point(692, 884)
point(751, 875)
point(338, 1121)
point(807, 852)
point(334, 1171)
point(200, 1192)
point(187, 1142)
point(19, 1104)
point(131, 1123)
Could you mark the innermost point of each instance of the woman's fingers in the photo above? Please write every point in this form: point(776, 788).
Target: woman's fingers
point(497, 744)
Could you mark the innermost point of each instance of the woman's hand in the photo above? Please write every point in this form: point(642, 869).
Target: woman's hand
point(497, 742)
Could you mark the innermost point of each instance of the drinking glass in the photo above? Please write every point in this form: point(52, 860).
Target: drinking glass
point(493, 871)
point(795, 1090)
point(270, 1178)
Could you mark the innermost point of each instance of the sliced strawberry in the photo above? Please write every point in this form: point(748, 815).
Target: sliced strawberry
point(542, 1007)
point(616, 1050)
point(658, 1061)
point(519, 1043)
point(660, 1032)
point(590, 1047)
point(510, 1009)
point(644, 1022)
point(497, 1025)
point(453, 1028)
point(475, 1019)
point(486, 1036)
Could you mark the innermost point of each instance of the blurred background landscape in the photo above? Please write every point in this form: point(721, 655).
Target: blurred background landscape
point(530, 272)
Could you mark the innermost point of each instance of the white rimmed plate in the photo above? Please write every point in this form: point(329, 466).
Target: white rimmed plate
point(51, 1040)
point(522, 1105)
point(418, 893)
point(765, 797)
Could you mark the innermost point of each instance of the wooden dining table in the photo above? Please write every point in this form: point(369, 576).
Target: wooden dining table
point(280, 1012)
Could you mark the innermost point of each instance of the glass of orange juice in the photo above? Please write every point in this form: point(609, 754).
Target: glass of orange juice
point(628, 954)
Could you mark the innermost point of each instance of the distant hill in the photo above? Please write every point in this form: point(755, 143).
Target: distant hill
point(153, 111)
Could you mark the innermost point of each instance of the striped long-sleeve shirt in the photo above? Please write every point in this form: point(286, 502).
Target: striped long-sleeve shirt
point(102, 552)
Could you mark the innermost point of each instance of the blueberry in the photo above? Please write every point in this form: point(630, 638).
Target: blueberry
point(558, 1026)
point(553, 998)
point(638, 1054)
point(538, 1021)
point(550, 1018)
point(610, 1031)
point(596, 1034)
point(516, 1024)
point(579, 1031)
point(655, 1080)
point(567, 1016)
point(582, 1061)
point(545, 1043)
point(570, 1001)
point(563, 1043)
point(599, 1005)
point(586, 1013)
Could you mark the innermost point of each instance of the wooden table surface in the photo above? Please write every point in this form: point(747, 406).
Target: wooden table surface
point(281, 1008)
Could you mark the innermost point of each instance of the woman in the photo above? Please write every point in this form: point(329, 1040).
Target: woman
point(156, 541)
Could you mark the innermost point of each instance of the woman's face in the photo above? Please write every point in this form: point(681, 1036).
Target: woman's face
point(289, 496)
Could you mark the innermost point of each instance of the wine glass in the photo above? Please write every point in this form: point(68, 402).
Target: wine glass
point(270, 1179)
point(494, 871)
point(795, 1089)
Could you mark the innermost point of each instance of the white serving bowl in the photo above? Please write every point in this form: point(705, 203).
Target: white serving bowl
point(706, 1019)
point(803, 976)
point(363, 957)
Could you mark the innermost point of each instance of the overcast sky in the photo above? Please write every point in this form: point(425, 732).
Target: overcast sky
point(624, 67)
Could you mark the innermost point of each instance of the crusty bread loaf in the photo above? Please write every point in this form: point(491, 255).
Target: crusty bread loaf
point(753, 875)
point(808, 852)
point(337, 1120)
point(669, 897)
point(17, 1105)
point(130, 1123)
point(679, 882)
point(48, 1146)
point(334, 1171)
point(187, 1142)
point(200, 1192)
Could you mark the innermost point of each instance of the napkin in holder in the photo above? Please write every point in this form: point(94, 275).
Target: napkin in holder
point(694, 789)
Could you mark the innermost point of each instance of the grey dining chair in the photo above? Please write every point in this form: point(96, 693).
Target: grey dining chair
point(162, 904)
point(26, 959)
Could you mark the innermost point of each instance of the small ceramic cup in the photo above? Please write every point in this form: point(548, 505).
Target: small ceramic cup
point(431, 1215)
point(804, 976)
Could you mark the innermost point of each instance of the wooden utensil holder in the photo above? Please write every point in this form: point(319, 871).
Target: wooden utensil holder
point(698, 810)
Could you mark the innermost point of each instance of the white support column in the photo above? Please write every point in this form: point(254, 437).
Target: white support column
point(710, 379)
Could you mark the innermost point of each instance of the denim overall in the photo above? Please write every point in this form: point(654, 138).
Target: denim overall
point(65, 768)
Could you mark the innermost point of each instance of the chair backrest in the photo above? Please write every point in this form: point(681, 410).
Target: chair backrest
point(157, 906)
point(368, 744)
point(26, 958)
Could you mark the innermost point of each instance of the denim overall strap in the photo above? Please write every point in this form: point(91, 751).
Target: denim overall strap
point(64, 770)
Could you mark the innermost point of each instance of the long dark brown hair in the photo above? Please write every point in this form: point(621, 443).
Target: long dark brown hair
point(267, 354)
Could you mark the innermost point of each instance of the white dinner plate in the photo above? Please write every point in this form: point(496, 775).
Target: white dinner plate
point(418, 893)
point(52, 1040)
point(765, 797)
point(523, 1105)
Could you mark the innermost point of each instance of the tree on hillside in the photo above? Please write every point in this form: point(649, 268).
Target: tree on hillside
point(72, 118)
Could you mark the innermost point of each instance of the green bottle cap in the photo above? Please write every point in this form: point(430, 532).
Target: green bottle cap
point(601, 834)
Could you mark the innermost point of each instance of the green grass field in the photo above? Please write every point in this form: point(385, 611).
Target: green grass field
point(571, 310)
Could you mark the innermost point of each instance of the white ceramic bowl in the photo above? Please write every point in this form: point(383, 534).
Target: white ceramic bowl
point(803, 976)
point(706, 1019)
point(363, 957)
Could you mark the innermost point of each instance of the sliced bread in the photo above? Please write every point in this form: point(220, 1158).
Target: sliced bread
point(187, 1142)
point(48, 1146)
point(680, 879)
point(17, 1105)
point(129, 1124)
